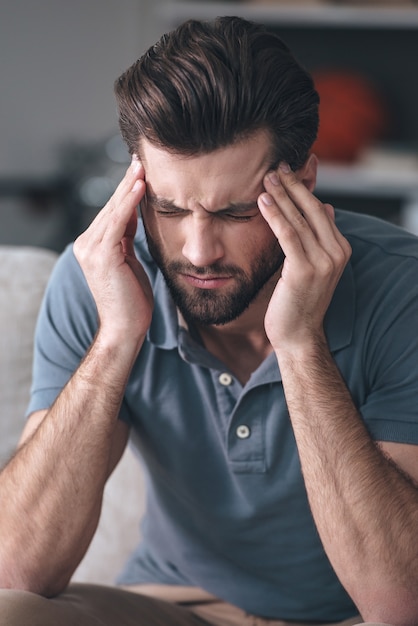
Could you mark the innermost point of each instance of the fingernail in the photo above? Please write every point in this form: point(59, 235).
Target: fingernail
point(266, 199)
point(274, 179)
point(284, 167)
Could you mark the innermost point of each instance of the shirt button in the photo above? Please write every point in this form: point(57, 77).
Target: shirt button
point(225, 379)
point(243, 432)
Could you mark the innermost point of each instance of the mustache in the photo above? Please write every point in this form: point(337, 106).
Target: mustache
point(216, 269)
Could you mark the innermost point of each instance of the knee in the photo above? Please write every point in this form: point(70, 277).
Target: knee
point(23, 608)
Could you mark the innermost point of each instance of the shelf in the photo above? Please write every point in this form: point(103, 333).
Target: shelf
point(359, 180)
point(288, 15)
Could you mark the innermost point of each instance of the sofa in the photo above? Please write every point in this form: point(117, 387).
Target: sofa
point(24, 273)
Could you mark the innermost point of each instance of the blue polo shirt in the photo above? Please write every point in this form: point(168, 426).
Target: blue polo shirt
point(227, 508)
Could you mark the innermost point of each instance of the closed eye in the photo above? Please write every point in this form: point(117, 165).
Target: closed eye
point(170, 212)
point(164, 207)
point(237, 218)
point(241, 212)
point(226, 216)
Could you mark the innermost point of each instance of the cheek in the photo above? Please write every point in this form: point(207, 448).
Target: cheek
point(258, 237)
point(150, 225)
point(260, 248)
point(150, 222)
point(163, 233)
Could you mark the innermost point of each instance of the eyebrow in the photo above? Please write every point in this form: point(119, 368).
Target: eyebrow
point(169, 205)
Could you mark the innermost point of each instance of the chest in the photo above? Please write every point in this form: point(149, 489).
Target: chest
point(181, 408)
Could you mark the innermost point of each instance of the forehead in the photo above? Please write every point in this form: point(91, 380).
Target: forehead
point(230, 174)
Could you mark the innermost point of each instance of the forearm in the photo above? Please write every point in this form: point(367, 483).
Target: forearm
point(51, 491)
point(365, 509)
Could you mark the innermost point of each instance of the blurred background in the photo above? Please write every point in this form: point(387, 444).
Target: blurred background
point(60, 153)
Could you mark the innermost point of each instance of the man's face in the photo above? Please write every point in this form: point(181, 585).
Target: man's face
point(205, 231)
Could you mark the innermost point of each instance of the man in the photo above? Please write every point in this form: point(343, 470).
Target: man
point(262, 349)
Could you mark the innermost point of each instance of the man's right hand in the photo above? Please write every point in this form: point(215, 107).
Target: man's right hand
point(105, 252)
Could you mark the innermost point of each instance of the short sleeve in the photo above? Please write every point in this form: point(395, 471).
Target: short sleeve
point(391, 358)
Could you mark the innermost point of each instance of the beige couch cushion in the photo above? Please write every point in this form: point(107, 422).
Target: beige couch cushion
point(24, 273)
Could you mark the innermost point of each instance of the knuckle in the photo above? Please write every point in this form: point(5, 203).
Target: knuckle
point(306, 275)
point(299, 220)
point(342, 252)
point(78, 246)
point(288, 232)
point(317, 206)
point(326, 265)
point(84, 249)
point(347, 249)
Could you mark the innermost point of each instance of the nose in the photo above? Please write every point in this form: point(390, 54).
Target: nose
point(202, 243)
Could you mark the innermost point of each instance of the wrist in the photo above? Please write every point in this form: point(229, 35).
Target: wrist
point(302, 348)
point(117, 346)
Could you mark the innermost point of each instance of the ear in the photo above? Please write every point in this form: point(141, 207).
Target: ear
point(308, 172)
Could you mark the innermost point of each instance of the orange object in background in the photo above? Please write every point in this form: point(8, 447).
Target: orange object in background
point(353, 115)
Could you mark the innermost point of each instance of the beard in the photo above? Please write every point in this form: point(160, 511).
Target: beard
point(209, 306)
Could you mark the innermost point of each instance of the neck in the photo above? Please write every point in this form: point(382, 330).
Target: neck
point(241, 354)
point(242, 345)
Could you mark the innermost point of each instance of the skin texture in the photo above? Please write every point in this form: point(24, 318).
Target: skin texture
point(362, 494)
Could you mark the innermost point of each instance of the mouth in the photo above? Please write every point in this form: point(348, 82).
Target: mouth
point(206, 282)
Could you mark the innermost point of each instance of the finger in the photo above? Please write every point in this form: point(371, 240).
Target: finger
point(119, 221)
point(129, 235)
point(134, 172)
point(307, 263)
point(287, 235)
point(327, 250)
point(295, 199)
point(132, 182)
point(285, 219)
point(113, 219)
point(319, 216)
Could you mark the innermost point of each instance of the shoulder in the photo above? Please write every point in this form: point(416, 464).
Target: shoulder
point(67, 267)
point(384, 256)
point(67, 284)
point(378, 236)
point(68, 309)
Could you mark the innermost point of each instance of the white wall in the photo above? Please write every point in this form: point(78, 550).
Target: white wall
point(58, 62)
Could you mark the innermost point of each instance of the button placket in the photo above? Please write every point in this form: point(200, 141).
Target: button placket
point(246, 442)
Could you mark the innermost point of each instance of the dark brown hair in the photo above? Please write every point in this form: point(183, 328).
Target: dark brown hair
point(206, 85)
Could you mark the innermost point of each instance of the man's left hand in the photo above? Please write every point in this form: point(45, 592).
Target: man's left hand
point(316, 254)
